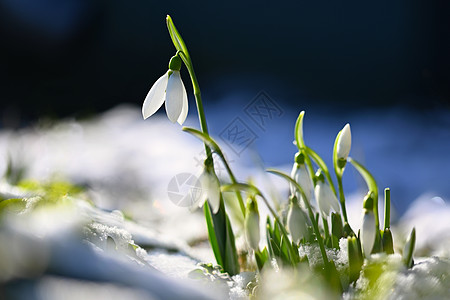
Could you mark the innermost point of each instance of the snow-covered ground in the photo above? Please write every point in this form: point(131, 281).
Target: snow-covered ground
point(128, 164)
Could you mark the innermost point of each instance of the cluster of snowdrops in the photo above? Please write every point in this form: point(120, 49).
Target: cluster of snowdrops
point(315, 216)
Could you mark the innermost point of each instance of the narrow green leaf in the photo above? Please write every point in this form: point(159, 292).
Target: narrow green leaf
point(408, 250)
point(231, 264)
point(261, 258)
point(212, 234)
point(388, 243)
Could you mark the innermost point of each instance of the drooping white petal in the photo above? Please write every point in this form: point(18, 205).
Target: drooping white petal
point(185, 108)
point(326, 199)
point(301, 176)
point(174, 96)
point(252, 234)
point(344, 142)
point(155, 97)
point(368, 232)
point(210, 191)
point(296, 221)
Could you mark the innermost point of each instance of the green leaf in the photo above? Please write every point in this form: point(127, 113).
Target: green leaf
point(12, 206)
point(285, 255)
point(248, 188)
point(231, 263)
point(388, 243)
point(408, 250)
point(204, 138)
point(387, 208)
point(354, 258)
point(261, 258)
point(212, 234)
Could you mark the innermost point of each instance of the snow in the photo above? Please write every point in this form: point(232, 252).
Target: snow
point(126, 164)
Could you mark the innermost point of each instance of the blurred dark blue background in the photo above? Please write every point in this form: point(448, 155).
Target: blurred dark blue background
point(78, 57)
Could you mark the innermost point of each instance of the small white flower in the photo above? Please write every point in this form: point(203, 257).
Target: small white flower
point(301, 175)
point(325, 198)
point(251, 223)
point(368, 232)
point(210, 191)
point(169, 88)
point(296, 221)
point(344, 143)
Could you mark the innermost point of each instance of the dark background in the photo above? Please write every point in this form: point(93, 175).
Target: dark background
point(77, 57)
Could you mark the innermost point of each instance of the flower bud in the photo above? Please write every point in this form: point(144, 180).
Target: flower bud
point(325, 197)
point(301, 175)
point(251, 223)
point(296, 221)
point(368, 232)
point(344, 143)
point(210, 190)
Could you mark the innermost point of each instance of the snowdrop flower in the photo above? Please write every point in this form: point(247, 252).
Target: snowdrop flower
point(251, 224)
point(296, 221)
point(344, 143)
point(368, 228)
point(210, 190)
point(169, 89)
point(301, 175)
point(325, 197)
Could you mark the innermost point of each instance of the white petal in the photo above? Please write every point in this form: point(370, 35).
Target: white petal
point(334, 202)
point(184, 110)
point(319, 193)
point(296, 222)
point(304, 180)
point(155, 97)
point(174, 96)
point(368, 232)
point(252, 234)
point(211, 190)
point(344, 142)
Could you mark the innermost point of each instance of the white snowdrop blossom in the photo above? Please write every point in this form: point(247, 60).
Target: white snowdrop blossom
point(170, 89)
point(210, 191)
point(296, 221)
point(368, 232)
point(325, 198)
point(251, 224)
point(301, 175)
point(344, 143)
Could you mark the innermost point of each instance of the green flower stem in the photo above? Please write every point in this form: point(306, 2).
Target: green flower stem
point(341, 196)
point(215, 147)
point(184, 54)
point(301, 143)
point(218, 223)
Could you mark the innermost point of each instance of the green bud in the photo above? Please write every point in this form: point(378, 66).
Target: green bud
point(175, 63)
point(368, 201)
point(319, 176)
point(299, 158)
